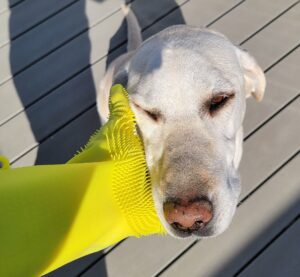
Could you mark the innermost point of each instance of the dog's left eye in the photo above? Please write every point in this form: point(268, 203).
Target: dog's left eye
point(153, 115)
point(218, 101)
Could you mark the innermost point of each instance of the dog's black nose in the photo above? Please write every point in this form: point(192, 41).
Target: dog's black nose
point(190, 216)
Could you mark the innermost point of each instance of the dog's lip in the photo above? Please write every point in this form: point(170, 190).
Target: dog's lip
point(205, 232)
point(190, 233)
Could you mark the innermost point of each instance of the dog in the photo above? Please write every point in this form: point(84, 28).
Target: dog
point(188, 88)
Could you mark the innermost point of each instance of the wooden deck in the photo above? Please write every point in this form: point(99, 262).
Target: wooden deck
point(52, 56)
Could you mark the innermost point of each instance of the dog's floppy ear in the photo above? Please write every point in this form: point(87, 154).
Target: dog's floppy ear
point(117, 73)
point(121, 78)
point(255, 81)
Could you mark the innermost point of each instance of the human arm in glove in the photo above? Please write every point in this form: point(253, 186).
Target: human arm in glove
point(53, 214)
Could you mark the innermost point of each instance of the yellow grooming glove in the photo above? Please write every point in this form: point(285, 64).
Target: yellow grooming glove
point(51, 215)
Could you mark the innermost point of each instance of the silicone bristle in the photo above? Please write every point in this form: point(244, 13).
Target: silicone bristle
point(131, 180)
point(132, 184)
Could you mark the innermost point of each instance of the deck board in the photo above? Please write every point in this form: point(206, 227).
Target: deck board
point(283, 85)
point(26, 16)
point(272, 260)
point(75, 55)
point(52, 33)
point(6, 4)
point(250, 17)
point(195, 12)
point(259, 148)
point(96, 41)
point(275, 38)
point(52, 58)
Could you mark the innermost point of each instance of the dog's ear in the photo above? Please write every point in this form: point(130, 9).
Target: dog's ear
point(121, 78)
point(117, 73)
point(255, 81)
point(121, 68)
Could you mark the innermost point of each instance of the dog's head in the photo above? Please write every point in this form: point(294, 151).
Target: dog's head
point(187, 89)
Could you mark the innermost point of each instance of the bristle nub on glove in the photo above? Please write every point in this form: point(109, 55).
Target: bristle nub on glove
point(131, 180)
point(4, 162)
point(132, 184)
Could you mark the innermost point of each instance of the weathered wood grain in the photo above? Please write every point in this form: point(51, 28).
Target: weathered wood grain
point(281, 258)
point(26, 15)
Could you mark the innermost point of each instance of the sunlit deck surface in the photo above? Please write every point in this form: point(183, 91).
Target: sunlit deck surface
point(53, 55)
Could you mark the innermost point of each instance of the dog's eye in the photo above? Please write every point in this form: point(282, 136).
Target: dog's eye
point(153, 115)
point(218, 101)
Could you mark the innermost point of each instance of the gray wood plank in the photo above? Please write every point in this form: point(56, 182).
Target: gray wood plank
point(141, 262)
point(19, 19)
point(86, 49)
point(270, 146)
point(6, 4)
point(62, 146)
point(197, 13)
point(256, 222)
point(281, 258)
point(52, 33)
point(285, 29)
point(75, 268)
point(245, 19)
point(59, 107)
point(283, 84)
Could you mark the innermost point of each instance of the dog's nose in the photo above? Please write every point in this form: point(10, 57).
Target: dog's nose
point(191, 216)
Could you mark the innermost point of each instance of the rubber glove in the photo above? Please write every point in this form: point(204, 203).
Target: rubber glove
point(53, 214)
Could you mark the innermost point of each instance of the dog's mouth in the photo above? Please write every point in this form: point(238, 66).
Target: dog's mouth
point(197, 230)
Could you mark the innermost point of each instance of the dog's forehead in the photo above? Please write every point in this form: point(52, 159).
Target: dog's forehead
point(191, 78)
point(182, 67)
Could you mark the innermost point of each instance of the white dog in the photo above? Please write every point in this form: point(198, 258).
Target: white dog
point(187, 88)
